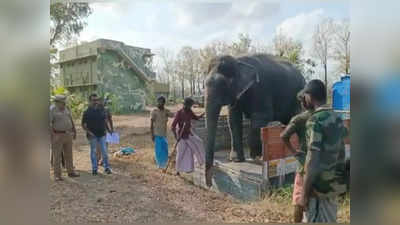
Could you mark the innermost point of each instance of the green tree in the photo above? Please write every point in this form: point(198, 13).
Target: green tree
point(67, 19)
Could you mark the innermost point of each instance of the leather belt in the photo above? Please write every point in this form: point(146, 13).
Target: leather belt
point(59, 131)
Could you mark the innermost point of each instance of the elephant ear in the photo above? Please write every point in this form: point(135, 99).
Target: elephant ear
point(247, 77)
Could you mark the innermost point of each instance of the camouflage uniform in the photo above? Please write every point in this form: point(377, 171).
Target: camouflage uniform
point(298, 125)
point(325, 133)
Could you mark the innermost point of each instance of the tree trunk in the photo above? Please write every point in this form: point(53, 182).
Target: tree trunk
point(347, 60)
point(193, 81)
point(326, 78)
point(183, 88)
point(191, 84)
point(198, 87)
point(194, 85)
point(174, 91)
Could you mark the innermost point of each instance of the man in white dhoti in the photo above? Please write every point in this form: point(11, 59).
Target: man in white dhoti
point(189, 145)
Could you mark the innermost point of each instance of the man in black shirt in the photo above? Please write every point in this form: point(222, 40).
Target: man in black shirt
point(103, 105)
point(95, 123)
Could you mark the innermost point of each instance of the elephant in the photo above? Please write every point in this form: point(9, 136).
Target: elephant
point(261, 87)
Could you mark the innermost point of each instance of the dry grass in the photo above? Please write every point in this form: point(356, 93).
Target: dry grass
point(279, 206)
point(344, 209)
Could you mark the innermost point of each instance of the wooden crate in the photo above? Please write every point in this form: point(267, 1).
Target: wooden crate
point(273, 146)
point(276, 155)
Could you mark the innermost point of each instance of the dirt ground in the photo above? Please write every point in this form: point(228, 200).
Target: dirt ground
point(137, 192)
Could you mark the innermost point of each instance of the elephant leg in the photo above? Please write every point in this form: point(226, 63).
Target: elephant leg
point(254, 142)
point(236, 130)
point(258, 121)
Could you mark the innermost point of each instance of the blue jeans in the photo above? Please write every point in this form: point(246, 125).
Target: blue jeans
point(93, 143)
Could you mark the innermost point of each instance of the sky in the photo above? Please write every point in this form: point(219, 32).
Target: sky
point(173, 24)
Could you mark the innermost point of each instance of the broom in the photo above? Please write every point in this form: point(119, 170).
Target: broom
point(175, 146)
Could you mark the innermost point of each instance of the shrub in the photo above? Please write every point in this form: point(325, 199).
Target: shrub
point(282, 194)
point(77, 104)
point(60, 91)
point(115, 106)
point(151, 99)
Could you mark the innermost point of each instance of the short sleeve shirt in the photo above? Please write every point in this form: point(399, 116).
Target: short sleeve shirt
point(325, 134)
point(298, 125)
point(160, 120)
point(107, 112)
point(95, 121)
point(60, 120)
point(183, 119)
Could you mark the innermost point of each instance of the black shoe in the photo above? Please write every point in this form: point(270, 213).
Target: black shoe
point(108, 171)
point(94, 172)
point(73, 175)
point(236, 160)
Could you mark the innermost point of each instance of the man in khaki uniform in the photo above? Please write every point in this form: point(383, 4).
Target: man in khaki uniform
point(63, 131)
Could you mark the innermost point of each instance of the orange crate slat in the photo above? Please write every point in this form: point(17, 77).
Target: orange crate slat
point(274, 147)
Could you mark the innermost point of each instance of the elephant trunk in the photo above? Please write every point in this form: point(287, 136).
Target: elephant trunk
point(212, 115)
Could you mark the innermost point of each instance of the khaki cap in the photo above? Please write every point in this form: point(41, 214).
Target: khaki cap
point(60, 98)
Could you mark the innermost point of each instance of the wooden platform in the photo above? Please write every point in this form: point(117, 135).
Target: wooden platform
point(244, 181)
point(249, 181)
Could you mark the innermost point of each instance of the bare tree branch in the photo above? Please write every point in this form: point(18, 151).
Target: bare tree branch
point(341, 50)
point(322, 43)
